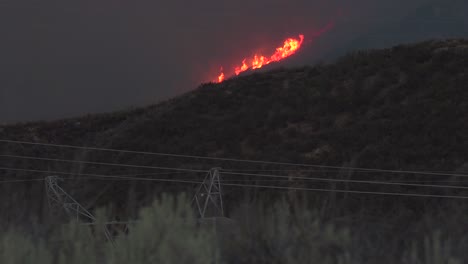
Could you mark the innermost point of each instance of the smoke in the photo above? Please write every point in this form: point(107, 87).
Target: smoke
point(62, 58)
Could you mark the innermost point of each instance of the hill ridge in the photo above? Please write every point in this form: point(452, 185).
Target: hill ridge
point(284, 104)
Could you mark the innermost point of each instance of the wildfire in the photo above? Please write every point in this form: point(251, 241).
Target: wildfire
point(290, 46)
point(221, 75)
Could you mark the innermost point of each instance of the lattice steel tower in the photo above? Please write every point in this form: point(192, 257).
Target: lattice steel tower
point(208, 198)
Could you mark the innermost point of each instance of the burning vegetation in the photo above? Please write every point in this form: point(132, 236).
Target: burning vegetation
point(290, 46)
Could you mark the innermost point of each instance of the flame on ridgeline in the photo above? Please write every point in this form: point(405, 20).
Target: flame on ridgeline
point(290, 46)
point(221, 75)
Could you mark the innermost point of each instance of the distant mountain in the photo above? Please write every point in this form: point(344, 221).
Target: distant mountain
point(436, 20)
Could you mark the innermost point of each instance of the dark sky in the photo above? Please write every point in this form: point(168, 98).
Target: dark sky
point(65, 58)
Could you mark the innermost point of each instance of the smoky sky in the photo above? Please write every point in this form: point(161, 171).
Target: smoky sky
point(66, 58)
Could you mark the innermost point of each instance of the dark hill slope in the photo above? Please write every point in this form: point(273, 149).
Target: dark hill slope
point(404, 107)
point(399, 108)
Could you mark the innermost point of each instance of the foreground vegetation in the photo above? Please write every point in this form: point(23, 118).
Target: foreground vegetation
point(168, 232)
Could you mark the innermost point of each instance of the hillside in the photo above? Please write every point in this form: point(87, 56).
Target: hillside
point(402, 108)
point(393, 102)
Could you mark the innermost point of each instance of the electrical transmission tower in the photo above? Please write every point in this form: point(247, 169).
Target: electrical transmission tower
point(58, 198)
point(208, 198)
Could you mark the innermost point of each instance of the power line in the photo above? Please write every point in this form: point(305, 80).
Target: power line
point(235, 160)
point(102, 163)
point(25, 180)
point(150, 174)
point(394, 181)
point(100, 175)
point(108, 177)
point(347, 180)
point(333, 170)
point(344, 191)
point(248, 174)
point(120, 176)
point(337, 169)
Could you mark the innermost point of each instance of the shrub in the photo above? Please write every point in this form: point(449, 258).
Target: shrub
point(433, 250)
point(75, 244)
point(17, 248)
point(277, 235)
point(166, 233)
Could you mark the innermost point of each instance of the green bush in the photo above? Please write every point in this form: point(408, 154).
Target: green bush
point(433, 250)
point(75, 244)
point(167, 233)
point(17, 248)
point(277, 235)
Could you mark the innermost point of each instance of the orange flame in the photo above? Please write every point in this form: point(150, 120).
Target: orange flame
point(242, 68)
point(221, 75)
point(290, 46)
